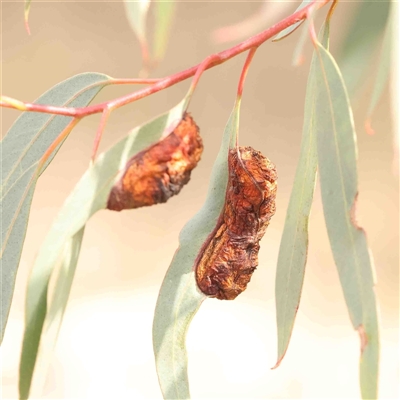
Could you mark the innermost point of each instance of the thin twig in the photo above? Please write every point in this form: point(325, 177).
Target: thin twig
point(171, 80)
point(245, 69)
point(99, 133)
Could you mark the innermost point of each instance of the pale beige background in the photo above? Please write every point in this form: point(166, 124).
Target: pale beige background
point(104, 349)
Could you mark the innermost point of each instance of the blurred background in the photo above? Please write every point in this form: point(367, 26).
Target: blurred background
point(104, 348)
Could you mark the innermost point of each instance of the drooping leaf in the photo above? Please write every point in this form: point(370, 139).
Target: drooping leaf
point(385, 61)
point(266, 15)
point(57, 306)
point(361, 40)
point(286, 32)
point(395, 92)
point(164, 13)
point(298, 51)
point(27, 7)
point(89, 195)
point(136, 12)
point(292, 256)
point(337, 163)
point(22, 148)
point(179, 298)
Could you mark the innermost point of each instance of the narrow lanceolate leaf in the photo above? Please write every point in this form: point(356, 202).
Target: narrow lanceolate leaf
point(22, 148)
point(27, 7)
point(382, 76)
point(360, 43)
point(298, 56)
point(90, 195)
point(63, 283)
point(57, 306)
point(136, 12)
point(294, 243)
point(395, 87)
point(337, 163)
point(268, 13)
point(179, 297)
point(286, 32)
point(164, 13)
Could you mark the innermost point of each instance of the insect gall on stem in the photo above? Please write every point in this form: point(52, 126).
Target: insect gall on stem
point(160, 171)
point(231, 255)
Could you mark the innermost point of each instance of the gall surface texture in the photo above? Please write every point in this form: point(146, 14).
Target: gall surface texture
point(230, 255)
point(159, 172)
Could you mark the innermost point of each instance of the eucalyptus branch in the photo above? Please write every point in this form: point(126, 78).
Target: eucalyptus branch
point(244, 71)
point(100, 130)
point(59, 139)
point(157, 85)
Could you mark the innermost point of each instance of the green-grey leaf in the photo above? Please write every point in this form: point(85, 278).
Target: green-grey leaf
point(27, 7)
point(89, 195)
point(337, 163)
point(136, 12)
point(21, 149)
point(382, 75)
point(179, 297)
point(292, 28)
point(298, 51)
point(361, 41)
point(292, 256)
point(63, 285)
point(164, 13)
point(57, 306)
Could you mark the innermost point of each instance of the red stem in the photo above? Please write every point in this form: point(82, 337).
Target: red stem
point(56, 142)
point(201, 68)
point(164, 83)
point(138, 81)
point(99, 133)
point(245, 69)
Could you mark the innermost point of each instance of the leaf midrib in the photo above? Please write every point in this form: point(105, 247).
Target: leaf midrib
point(337, 153)
point(298, 219)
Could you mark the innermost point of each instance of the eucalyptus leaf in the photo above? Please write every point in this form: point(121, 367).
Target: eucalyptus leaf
point(63, 283)
point(22, 149)
point(89, 196)
point(292, 256)
point(299, 49)
point(286, 32)
point(267, 14)
point(337, 164)
point(57, 306)
point(164, 13)
point(385, 61)
point(136, 12)
point(179, 297)
point(361, 40)
point(27, 7)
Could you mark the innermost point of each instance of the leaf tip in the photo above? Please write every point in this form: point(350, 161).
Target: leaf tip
point(277, 39)
point(368, 127)
point(27, 28)
point(26, 16)
point(278, 363)
point(297, 62)
point(363, 338)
